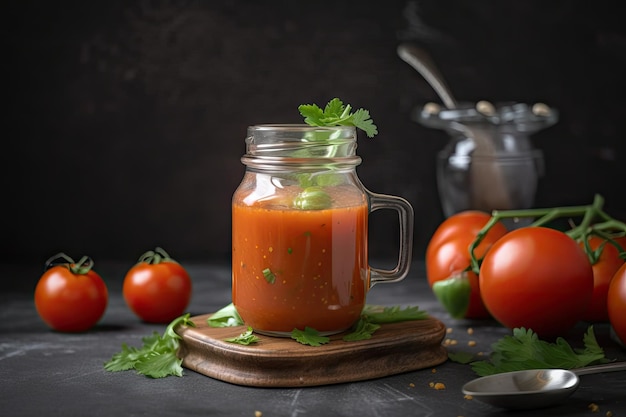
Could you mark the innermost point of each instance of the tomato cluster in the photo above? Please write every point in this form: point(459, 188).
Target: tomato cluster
point(72, 297)
point(535, 277)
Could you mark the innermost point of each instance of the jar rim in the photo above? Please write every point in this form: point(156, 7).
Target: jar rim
point(298, 127)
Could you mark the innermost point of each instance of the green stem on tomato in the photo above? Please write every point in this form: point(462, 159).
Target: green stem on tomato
point(156, 256)
point(78, 268)
point(580, 232)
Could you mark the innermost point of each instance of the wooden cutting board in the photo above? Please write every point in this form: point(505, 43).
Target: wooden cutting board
point(282, 362)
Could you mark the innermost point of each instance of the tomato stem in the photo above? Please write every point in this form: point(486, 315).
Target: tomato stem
point(156, 256)
point(78, 268)
point(608, 228)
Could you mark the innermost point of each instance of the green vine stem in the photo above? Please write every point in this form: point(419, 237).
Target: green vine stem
point(78, 268)
point(156, 256)
point(595, 221)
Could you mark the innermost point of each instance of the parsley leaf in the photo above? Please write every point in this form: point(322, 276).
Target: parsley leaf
point(337, 114)
point(524, 350)
point(362, 331)
point(244, 338)
point(225, 317)
point(309, 336)
point(157, 357)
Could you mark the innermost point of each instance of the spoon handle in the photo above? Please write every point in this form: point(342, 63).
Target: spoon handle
point(421, 61)
point(596, 369)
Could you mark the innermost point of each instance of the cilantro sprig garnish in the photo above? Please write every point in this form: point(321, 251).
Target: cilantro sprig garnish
point(335, 113)
point(157, 357)
point(524, 350)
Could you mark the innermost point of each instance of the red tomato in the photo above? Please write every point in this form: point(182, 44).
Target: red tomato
point(616, 303)
point(603, 270)
point(70, 297)
point(448, 252)
point(537, 278)
point(157, 288)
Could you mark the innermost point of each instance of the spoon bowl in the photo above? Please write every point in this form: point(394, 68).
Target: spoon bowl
point(536, 388)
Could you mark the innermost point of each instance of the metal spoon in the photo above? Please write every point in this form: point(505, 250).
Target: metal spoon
point(490, 188)
point(421, 61)
point(532, 388)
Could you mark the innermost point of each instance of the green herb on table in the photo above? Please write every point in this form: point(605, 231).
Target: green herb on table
point(373, 316)
point(381, 315)
point(225, 317)
point(524, 350)
point(157, 357)
point(245, 338)
point(461, 357)
point(363, 330)
point(309, 336)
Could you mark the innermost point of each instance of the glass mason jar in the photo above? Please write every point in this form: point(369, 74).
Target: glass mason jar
point(300, 230)
point(489, 162)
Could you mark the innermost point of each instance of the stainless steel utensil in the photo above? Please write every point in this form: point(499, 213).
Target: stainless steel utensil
point(535, 388)
point(422, 63)
point(487, 180)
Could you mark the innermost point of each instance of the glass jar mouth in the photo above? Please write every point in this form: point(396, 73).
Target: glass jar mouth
point(298, 127)
point(291, 142)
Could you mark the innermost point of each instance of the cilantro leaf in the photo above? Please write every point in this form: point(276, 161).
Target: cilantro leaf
point(160, 365)
point(379, 314)
point(524, 350)
point(225, 317)
point(244, 338)
point(363, 330)
point(124, 360)
point(337, 114)
point(157, 357)
point(309, 336)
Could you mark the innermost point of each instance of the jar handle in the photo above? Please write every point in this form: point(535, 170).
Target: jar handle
point(405, 217)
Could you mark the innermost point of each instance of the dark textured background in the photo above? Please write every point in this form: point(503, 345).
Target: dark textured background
point(124, 121)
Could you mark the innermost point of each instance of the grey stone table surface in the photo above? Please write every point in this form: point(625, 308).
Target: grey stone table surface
point(46, 373)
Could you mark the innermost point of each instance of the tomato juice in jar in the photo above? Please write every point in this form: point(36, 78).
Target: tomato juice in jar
point(285, 276)
point(300, 229)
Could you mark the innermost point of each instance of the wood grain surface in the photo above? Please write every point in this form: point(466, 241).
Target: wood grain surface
point(282, 362)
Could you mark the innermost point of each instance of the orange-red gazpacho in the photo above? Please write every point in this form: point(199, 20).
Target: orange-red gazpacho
point(296, 268)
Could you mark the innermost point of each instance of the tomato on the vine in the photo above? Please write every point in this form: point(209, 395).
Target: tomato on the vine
point(157, 288)
point(447, 254)
point(604, 267)
point(616, 303)
point(537, 278)
point(70, 296)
